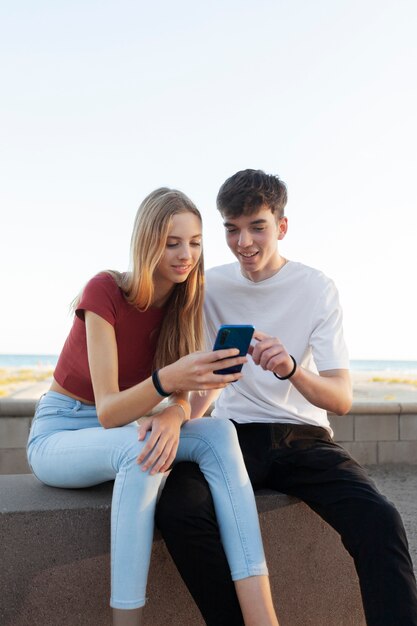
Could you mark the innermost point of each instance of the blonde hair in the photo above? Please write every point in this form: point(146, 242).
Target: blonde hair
point(182, 327)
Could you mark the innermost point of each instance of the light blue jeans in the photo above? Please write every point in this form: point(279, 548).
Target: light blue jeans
point(69, 448)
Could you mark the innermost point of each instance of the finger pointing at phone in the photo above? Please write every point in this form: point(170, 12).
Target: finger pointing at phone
point(270, 354)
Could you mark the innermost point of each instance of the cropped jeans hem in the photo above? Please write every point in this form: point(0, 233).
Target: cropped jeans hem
point(251, 571)
point(115, 604)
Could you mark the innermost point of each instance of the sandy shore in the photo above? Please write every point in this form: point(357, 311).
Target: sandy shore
point(372, 386)
point(390, 386)
point(24, 382)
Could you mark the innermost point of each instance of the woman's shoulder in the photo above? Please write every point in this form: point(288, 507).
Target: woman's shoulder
point(106, 285)
point(103, 295)
point(108, 280)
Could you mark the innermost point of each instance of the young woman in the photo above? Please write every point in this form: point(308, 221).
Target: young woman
point(134, 341)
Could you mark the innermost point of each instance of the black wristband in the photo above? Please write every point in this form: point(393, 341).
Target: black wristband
point(290, 374)
point(158, 386)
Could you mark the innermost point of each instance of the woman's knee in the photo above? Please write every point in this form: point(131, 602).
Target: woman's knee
point(227, 441)
point(219, 433)
point(126, 447)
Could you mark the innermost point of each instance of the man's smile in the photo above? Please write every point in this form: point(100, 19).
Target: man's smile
point(248, 255)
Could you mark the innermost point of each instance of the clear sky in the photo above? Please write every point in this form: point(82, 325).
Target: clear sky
point(103, 101)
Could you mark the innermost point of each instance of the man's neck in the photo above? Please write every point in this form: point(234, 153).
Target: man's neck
point(264, 274)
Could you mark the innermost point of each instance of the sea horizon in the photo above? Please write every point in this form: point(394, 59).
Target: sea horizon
point(358, 365)
point(28, 360)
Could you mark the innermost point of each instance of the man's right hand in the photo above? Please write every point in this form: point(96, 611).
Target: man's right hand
point(270, 354)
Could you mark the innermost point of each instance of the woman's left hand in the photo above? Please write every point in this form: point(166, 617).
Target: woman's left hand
point(159, 451)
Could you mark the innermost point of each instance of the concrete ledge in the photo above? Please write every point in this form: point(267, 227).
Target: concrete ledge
point(17, 408)
point(373, 432)
point(25, 408)
point(55, 562)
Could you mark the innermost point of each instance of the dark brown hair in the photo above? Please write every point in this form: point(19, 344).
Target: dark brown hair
point(247, 191)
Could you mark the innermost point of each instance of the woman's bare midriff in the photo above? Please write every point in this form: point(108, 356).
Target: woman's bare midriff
point(57, 387)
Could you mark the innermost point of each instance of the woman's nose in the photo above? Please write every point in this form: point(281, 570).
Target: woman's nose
point(185, 252)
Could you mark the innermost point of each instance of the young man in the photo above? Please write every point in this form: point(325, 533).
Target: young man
point(298, 370)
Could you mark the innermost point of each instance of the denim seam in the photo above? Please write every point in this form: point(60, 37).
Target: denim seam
point(237, 521)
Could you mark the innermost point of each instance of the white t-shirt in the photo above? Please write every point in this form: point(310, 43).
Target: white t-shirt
point(300, 306)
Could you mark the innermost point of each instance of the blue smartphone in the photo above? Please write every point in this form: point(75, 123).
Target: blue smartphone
point(233, 336)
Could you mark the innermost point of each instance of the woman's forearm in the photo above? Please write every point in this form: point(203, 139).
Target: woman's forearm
point(123, 407)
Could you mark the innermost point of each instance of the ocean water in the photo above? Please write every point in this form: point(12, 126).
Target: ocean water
point(28, 360)
point(363, 365)
point(359, 365)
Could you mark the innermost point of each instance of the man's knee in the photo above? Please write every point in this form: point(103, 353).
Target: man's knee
point(372, 524)
point(384, 520)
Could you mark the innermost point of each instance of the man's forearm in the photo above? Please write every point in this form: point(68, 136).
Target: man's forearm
point(200, 401)
point(330, 390)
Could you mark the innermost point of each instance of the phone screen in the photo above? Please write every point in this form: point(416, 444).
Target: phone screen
point(233, 336)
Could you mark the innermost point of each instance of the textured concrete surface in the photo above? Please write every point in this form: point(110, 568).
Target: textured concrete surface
point(55, 563)
point(398, 482)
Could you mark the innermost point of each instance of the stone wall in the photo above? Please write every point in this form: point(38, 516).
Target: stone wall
point(374, 433)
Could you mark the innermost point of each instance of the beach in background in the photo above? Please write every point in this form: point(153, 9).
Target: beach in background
point(29, 376)
point(389, 386)
point(379, 381)
point(26, 376)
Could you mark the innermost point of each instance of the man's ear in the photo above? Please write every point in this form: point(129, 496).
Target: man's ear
point(282, 227)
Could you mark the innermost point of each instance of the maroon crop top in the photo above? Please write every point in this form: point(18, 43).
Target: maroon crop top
point(136, 336)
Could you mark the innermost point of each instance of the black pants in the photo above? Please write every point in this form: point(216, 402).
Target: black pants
point(302, 461)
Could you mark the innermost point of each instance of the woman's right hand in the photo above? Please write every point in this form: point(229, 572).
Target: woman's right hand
point(195, 371)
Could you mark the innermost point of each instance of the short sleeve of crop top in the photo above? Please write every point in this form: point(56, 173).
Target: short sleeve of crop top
point(136, 334)
point(102, 296)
